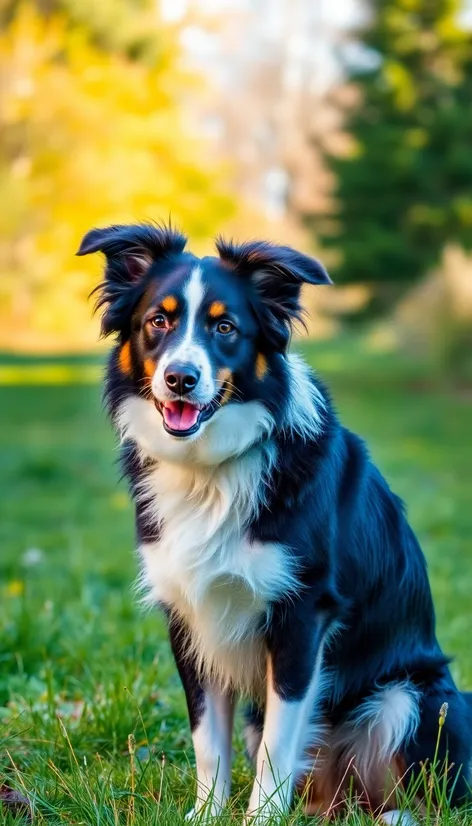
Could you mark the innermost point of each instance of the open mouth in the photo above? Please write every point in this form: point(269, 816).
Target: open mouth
point(182, 418)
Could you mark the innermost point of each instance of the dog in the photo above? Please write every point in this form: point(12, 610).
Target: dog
point(284, 564)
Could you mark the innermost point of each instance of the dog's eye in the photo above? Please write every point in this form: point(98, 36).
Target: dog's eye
point(159, 321)
point(224, 327)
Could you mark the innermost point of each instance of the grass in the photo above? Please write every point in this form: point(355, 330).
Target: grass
point(84, 675)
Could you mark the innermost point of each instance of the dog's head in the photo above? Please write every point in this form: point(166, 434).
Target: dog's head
point(196, 336)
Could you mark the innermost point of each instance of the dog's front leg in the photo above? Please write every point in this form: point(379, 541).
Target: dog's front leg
point(211, 713)
point(212, 743)
point(293, 681)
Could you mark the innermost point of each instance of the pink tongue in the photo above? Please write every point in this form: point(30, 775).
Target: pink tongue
point(180, 415)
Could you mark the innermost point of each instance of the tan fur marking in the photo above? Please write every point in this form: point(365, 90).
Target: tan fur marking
point(327, 788)
point(149, 367)
point(217, 308)
point(224, 375)
point(124, 358)
point(261, 367)
point(226, 396)
point(169, 303)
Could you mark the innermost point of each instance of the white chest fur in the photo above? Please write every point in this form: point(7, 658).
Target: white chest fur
point(205, 567)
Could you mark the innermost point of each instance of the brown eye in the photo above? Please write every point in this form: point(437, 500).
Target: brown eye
point(224, 327)
point(159, 321)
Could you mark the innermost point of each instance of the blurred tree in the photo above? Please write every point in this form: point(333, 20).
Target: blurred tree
point(88, 136)
point(125, 26)
point(404, 187)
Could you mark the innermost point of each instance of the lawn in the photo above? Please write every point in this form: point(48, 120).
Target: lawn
point(89, 698)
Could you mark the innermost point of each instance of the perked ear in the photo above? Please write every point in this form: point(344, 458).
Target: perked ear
point(278, 274)
point(130, 252)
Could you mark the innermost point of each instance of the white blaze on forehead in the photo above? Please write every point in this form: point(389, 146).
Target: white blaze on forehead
point(187, 350)
point(193, 294)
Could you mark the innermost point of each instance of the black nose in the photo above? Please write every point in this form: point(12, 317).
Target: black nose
point(181, 378)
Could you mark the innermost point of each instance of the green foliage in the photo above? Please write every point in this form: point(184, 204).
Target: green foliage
point(89, 135)
point(404, 189)
point(82, 666)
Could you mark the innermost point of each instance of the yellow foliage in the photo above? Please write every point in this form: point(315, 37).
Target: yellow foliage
point(87, 138)
point(402, 84)
point(416, 138)
point(15, 588)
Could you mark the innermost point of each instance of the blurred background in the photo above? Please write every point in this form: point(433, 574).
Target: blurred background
point(343, 127)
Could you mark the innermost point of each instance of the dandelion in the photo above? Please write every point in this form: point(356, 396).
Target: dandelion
point(15, 588)
point(119, 501)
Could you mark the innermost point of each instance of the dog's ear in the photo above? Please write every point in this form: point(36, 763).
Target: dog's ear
point(130, 253)
point(277, 273)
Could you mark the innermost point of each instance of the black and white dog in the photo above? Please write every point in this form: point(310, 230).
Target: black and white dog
point(285, 565)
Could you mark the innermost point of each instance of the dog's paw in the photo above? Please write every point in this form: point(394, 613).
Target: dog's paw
point(258, 819)
point(203, 814)
point(263, 817)
point(398, 818)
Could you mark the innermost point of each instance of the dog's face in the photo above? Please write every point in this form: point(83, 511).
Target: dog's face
point(196, 333)
point(197, 336)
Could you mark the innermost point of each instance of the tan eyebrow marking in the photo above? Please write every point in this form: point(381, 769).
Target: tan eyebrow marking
point(169, 303)
point(217, 308)
point(261, 366)
point(124, 358)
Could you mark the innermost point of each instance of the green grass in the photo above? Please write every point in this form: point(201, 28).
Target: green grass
point(82, 668)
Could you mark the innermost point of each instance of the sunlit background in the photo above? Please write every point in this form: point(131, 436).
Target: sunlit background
point(343, 127)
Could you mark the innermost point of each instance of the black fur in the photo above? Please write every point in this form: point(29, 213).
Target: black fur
point(283, 271)
point(124, 283)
